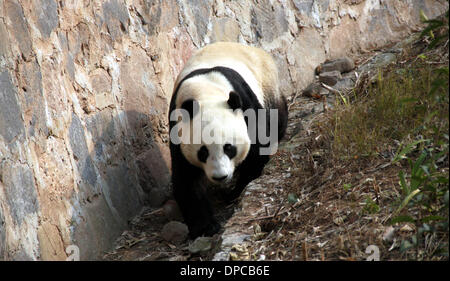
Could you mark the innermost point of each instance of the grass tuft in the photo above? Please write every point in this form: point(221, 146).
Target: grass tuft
point(400, 106)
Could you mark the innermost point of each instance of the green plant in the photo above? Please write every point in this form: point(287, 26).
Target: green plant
point(436, 29)
point(347, 186)
point(424, 197)
point(403, 150)
point(424, 176)
point(371, 207)
point(425, 186)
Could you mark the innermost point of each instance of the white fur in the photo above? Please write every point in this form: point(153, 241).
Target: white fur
point(218, 164)
point(239, 67)
point(228, 127)
point(212, 87)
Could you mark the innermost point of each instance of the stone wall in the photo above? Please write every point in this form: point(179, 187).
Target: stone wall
point(84, 92)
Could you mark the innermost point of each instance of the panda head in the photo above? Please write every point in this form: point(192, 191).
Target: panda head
point(224, 141)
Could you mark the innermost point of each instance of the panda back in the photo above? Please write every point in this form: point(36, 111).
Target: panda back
point(254, 65)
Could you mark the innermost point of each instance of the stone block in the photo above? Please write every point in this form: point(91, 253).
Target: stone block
point(175, 232)
point(330, 78)
point(344, 64)
point(11, 123)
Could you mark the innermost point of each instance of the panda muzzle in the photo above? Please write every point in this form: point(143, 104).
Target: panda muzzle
point(221, 178)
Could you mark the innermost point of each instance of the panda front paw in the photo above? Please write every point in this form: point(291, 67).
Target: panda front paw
point(206, 228)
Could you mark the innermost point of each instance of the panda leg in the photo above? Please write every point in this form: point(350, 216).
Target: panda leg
point(192, 201)
point(196, 210)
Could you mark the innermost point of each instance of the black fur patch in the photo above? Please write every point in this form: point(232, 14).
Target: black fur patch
point(203, 154)
point(229, 150)
point(234, 101)
point(191, 106)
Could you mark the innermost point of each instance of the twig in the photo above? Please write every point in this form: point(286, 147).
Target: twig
point(379, 167)
point(292, 160)
point(358, 79)
point(282, 201)
point(263, 217)
point(277, 213)
point(435, 62)
point(305, 250)
point(293, 100)
point(281, 205)
point(368, 59)
point(157, 211)
point(334, 91)
point(324, 101)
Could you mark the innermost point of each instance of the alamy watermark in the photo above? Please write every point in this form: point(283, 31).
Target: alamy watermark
point(257, 127)
point(73, 253)
point(374, 253)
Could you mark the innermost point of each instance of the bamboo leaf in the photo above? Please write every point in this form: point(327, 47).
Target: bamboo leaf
point(401, 219)
point(433, 218)
point(406, 200)
point(403, 151)
point(405, 188)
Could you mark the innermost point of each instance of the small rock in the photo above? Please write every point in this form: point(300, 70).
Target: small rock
point(172, 211)
point(175, 232)
point(200, 245)
point(346, 83)
point(344, 64)
point(292, 198)
point(379, 61)
point(383, 60)
point(314, 89)
point(330, 78)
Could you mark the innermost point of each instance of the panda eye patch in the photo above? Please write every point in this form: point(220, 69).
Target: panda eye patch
point(229, 150)
point(203, 154)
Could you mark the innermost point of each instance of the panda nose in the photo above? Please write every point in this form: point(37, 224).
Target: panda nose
point(219, 178)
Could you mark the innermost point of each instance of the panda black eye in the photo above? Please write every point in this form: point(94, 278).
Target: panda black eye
point(203, 154)
point(229, 150)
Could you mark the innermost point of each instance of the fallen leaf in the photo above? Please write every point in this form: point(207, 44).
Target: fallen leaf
point(388, 234)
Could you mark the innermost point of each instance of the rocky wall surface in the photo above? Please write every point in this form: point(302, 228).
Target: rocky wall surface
point(85, 87)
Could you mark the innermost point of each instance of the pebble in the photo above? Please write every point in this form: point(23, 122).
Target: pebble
point(344, 64)
point(175, 232)
point(330, 78)
point(314, 89)
point(200, 245)
point(172, 211)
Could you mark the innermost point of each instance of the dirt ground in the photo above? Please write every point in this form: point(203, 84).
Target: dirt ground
point(303, 207)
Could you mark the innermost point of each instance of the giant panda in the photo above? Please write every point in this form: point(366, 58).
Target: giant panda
point(219, 83)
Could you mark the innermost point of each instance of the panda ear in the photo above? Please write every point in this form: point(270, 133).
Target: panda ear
point(191, 106)
point(234, 101)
